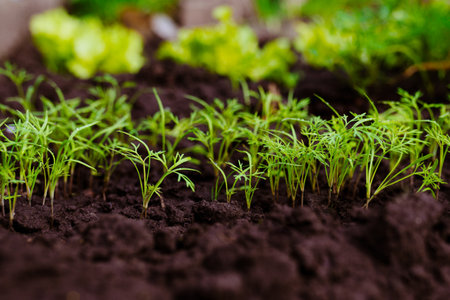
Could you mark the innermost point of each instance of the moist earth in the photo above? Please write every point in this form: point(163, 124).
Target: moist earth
point(195, 248)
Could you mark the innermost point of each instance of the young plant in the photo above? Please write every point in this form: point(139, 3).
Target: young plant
point(110, 103)
point(279, 114)
point(341, 141)
point(371, 42)
point(232, 50)
point(111, 162)
point(108, 112)
point(9, 184)
point(84, 47)
point(100, 142)
point(7, 166)
point(229, 190)
point(12, 195)
point(167, 128)
point(142, 165)
point(250, 175)
point(312, 130)
point(30, 145)
point(440, 144)
point(288, 156)
point(389, 143)
point(273, 171)
point(64, 112)
point(19, 77)
point(5, 169)
point(408, 112)
point(59, 163)
point(221, 134)
point(431, 180)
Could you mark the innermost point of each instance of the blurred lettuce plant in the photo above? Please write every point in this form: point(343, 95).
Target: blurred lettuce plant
point(85, 47)
point(232, 50)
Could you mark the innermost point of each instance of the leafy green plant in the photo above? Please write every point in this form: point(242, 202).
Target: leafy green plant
point(143, 164)
point(232, 50)
point(370, 42)
point(84, 47)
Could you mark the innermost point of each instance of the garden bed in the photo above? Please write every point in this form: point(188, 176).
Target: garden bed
point(195, 248)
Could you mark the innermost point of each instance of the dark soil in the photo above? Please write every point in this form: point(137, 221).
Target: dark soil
point(198, 249)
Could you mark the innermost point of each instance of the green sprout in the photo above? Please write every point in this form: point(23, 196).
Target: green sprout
point(370, 42)
point(168, 128)
point(100, 141)
point(229, 190)
point(340, 142)
point(221, 135)
point(250, 175)
point(12, 195)
point(389, 143)
point(59, 164)
point(8, 183)
point(7, 166)
point(408, 112)
point(19, 77)
point(110, 163)
point(431, 179)
point(110, 103)
point(441, 142)
point(142, 165)
point(30, 145)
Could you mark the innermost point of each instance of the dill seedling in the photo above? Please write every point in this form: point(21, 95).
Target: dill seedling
point(441, 142)
point(220, 137)
point(250, 175)
point(19, 77)
point(142, 165)
point(59, 163)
